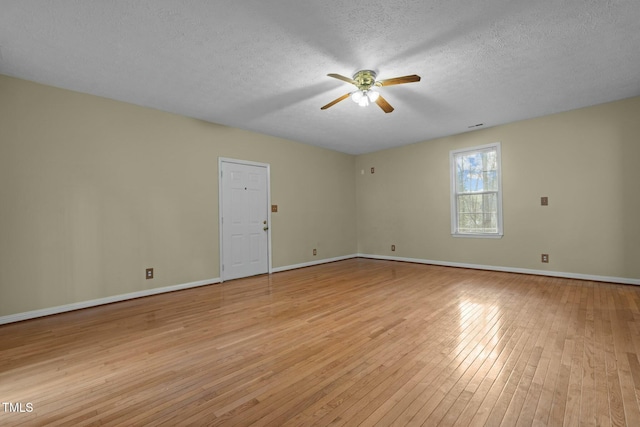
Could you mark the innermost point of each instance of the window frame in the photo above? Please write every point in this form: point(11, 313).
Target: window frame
point(453, 154)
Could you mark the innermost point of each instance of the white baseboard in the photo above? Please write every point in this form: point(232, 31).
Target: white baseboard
point(622, 280)
point(310, 263)
point(100, 301)
point(123, 297)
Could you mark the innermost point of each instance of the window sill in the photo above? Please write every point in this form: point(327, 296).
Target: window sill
point(478, 236)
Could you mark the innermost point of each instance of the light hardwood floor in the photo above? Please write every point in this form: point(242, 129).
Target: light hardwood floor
point(356, 342)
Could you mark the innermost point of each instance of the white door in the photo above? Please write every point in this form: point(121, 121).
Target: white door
point(244, 219)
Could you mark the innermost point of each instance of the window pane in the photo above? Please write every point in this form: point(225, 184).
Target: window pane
point(478, 213)
point(490, 170)
point(476, 172)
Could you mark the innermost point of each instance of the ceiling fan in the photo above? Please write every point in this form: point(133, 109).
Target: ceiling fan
point(365, 81)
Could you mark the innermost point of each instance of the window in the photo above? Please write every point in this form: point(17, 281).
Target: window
point(476, 192)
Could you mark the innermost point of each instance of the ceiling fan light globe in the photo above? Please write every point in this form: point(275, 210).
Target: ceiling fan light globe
point(372, 95)
point(357, 96)
point(364, 101)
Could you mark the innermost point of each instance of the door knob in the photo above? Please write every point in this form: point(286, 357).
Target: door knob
point(265, 228)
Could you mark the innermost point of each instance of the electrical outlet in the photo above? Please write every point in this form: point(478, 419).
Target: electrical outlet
point(393, 248)
point(274, 208)
point(373, 170)
point(544, 258)
point(544, 201)
point(315, 252)
point(149, 273)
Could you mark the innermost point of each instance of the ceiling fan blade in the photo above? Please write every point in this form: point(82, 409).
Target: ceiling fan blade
point(382, 103)
point(399, 80)
point(335, 101)
point(343, 78)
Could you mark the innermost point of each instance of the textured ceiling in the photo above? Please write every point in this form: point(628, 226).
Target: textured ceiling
point(262, 65)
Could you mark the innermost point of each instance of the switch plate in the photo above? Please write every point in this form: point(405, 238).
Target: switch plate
point(544, 201)
point(149, 273)
point(544, 258)
point(274, 208)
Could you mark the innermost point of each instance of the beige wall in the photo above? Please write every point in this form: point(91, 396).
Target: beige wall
point(585, 161)
point(94, 191)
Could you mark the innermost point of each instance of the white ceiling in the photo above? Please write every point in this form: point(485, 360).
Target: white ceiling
point(262, 65)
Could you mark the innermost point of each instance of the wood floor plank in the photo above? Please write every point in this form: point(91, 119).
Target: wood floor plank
point(616, 406)
point(601, 407)
point(575, 386)
point(432, 386)
point(435, 416)
point(588, 391)
point(452, 372)
point(479, 390)
point(549, 333)
point(356, 342)
point(498, 377)
point(465, 406)
point(623, 345)
point(529, 385)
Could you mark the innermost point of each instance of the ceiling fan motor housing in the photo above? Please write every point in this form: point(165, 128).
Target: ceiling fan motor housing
point(365, 79)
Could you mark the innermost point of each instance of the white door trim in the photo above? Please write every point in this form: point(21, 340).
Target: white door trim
point(248, 163)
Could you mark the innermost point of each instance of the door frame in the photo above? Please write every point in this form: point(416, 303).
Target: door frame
point(222, 160)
